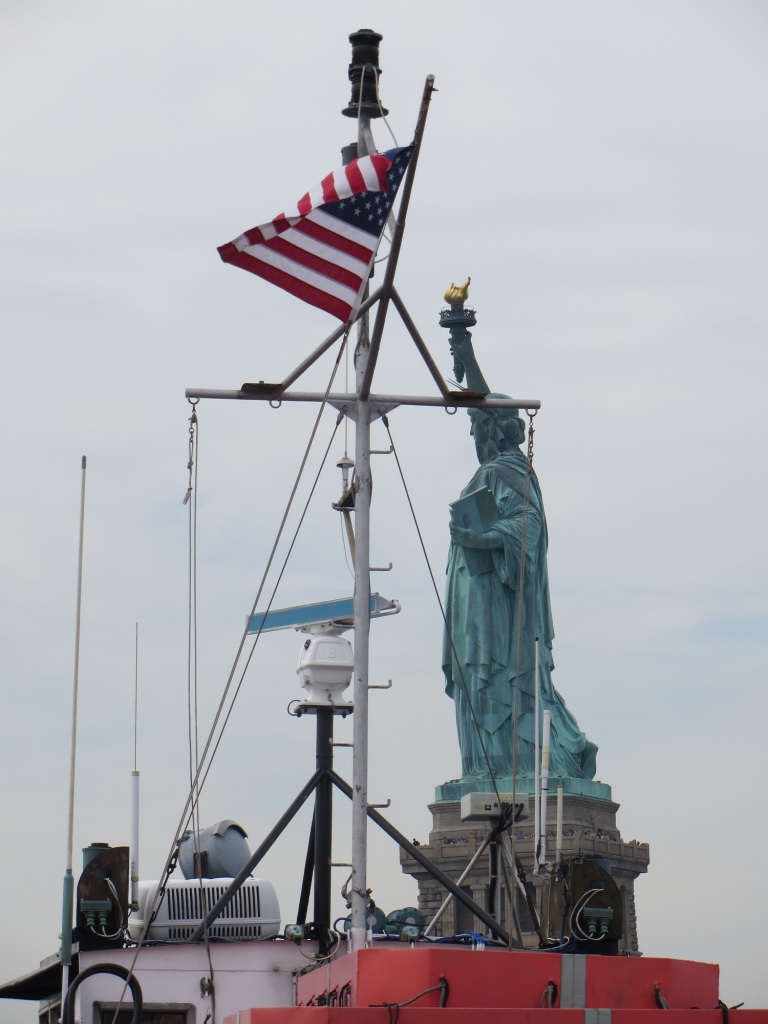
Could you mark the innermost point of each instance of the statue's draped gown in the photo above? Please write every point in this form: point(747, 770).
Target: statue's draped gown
point(483, 616)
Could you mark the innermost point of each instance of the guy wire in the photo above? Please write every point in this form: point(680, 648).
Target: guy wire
point(272, 597)
point(385, 421)
point(510, 825)
point(190, 797)
point(270, 560)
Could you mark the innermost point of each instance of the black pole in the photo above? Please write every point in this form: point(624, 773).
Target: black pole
point(244, 872)
point(306, 882)
point(323, 825)
point(426, 863)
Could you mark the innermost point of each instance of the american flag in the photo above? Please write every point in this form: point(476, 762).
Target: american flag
point(322, 249)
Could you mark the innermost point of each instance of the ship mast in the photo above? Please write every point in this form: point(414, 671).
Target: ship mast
point(363, 407)
point(364, 75)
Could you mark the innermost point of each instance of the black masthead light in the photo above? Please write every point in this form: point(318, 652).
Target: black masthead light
point(364, 74)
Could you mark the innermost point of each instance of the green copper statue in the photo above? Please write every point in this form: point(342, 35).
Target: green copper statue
point(489, 643)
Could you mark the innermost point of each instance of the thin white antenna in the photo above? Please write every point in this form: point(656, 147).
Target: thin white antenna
point(135, 787)
point(536, 767)
point(68, 891)
point(136, 699)
point(544, 785)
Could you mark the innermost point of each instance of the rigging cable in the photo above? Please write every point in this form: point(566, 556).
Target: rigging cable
point(514, 861)
point(193, 689)
point(173, 854)
point(262, 584)
point(385, 421)
point(285, 561)
point(516, 691)
point(378, 100)
point(375, 71)
point(491, 774)
point(520, 586)
point(272, 596)
point(191, 501)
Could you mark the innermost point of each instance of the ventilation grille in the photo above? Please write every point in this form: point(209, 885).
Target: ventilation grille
point(240, 919)
point(185, 904)
point(252, 913)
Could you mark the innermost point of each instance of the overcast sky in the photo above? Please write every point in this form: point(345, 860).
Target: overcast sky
point(600, 170)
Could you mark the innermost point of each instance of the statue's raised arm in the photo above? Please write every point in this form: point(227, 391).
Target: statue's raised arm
point(497, 597)
point(458, 318)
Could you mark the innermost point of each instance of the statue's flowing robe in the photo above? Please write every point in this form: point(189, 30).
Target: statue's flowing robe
point(480, 647)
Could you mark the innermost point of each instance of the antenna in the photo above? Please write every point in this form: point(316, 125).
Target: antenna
point(135, 785)
point(68, 889)
point(542, 837)
point(136, 699)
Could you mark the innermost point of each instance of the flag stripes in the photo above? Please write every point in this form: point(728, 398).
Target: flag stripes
point(322, 249)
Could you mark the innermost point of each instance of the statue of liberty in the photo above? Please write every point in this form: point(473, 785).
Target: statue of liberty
point(497, 599)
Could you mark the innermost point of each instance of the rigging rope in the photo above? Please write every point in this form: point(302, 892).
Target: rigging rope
point(270, 560)
point(385, 421)
point(191, 501)
point(198, 782)
point(193, 689)
point(272, 596)
point(520, 586)
point(509, 830)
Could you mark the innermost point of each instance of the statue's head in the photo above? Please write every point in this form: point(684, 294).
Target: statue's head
point(496, 430)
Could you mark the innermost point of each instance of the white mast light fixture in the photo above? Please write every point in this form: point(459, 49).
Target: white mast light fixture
point(325, 669)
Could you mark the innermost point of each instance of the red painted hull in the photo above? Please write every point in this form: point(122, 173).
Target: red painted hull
point(502, 987)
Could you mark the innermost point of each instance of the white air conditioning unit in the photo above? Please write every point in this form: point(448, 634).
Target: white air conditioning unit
point(252, 913)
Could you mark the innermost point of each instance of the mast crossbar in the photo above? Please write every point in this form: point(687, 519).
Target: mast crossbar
point(451, 400)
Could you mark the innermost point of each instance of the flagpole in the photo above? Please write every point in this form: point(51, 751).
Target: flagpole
point(397, 239)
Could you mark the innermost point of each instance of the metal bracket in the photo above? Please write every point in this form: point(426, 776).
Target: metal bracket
point(377, 409)
point(387, 804)
point(262, 389)
point(378, 686)
point(380, 568)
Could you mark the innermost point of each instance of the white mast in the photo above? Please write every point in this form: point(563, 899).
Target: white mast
point(359, 924)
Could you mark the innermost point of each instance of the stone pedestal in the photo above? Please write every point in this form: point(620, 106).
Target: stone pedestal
point(589, 831)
